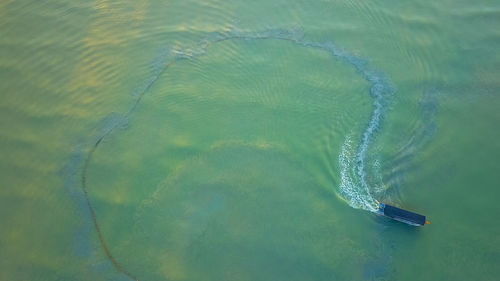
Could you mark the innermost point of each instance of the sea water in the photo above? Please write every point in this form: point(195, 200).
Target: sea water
point(226, 140)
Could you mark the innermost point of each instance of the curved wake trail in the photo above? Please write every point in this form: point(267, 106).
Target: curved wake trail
point(354, 187)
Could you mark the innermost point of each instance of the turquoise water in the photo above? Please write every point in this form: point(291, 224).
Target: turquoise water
point(226, 140)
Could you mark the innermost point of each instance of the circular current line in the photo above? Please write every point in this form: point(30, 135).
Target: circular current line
point(354, 61)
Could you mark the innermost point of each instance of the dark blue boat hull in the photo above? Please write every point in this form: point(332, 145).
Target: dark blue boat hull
point(401, 215)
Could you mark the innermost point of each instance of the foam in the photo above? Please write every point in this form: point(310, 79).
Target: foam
point(356, 195)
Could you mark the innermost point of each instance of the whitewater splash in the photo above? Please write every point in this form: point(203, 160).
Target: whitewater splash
point(353, 187)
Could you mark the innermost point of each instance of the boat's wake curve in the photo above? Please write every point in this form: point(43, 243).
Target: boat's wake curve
point(354, 186)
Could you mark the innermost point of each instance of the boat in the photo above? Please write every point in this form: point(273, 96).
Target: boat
point(401, 215)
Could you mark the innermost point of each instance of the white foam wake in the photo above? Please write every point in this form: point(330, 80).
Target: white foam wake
point(353, 187)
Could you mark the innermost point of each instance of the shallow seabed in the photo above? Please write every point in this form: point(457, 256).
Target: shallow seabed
point(248, 140)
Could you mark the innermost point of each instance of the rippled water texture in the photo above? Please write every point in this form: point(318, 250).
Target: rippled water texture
point(225, 140)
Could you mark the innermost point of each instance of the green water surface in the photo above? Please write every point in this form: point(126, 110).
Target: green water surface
point(216, 129)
